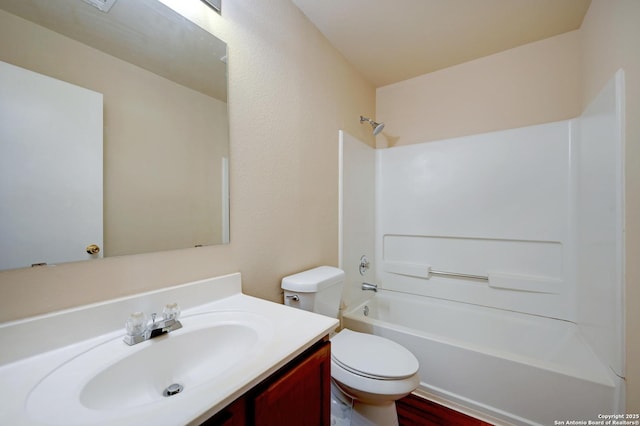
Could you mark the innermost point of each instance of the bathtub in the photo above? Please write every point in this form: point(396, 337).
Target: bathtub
point(501, 366)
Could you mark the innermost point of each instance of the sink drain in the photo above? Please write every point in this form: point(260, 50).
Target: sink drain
point(172, 389)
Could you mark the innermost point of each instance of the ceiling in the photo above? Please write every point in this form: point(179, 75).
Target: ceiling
point(391, 41)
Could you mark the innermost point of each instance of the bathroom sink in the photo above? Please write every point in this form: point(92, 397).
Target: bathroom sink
point(113, 378)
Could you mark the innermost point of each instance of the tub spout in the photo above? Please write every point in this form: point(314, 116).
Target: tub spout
point(372, 287)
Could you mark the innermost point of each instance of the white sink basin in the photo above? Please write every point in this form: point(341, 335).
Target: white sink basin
point(112, 378)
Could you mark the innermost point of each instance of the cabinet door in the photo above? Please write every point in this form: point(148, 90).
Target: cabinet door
point(302, 396)
point(233, 415)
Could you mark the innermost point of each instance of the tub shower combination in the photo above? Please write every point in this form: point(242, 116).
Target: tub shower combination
point(497, 260)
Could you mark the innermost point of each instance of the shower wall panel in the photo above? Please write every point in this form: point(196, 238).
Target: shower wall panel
point(495, 206)
point(599, 223)
point(357, 213)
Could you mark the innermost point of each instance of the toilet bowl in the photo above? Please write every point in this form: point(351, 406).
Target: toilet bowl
point(374, 372)
point(371, 371)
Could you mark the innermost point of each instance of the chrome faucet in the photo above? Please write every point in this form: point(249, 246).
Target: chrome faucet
point(372, 287)
point(139, 330)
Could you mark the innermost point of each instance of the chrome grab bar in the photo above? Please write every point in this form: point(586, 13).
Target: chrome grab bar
point(459, 275)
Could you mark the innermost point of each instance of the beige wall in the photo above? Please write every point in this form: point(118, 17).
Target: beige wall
point(610, 35)
point(535, 83)
point(148, 141)
point(289, 94)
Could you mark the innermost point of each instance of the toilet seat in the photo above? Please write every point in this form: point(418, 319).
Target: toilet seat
point(372, 356)
point(371, 368)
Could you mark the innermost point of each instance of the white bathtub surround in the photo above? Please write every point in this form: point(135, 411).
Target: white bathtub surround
point(525, 224)
point(357, 176)
point(493, 204)
point(38, 348)
point(599, 224)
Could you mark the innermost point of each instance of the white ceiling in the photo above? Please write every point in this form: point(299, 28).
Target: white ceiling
point(391, 41)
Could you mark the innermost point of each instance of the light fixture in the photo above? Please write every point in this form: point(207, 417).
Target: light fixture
point(103, 5)
point(214, 4)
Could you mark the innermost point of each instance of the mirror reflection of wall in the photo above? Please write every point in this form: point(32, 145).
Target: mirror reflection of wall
point(165, 116)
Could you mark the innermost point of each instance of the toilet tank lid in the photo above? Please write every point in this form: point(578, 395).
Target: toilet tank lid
point(313, 280)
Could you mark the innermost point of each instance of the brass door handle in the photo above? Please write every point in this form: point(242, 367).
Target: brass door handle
point(93, 249)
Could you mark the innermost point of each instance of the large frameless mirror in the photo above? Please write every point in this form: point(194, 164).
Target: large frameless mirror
point(156, 95)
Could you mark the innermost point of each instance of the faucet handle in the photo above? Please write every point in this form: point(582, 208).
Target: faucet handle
point(364, 265)
point(171, 311)
point(136, 324)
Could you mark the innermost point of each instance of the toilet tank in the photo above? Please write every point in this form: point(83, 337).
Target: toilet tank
point(317, 290)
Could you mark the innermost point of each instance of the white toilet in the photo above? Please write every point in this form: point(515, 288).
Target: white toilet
point(369, 370)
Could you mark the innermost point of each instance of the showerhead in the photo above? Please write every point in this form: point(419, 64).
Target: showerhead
point(377, 127)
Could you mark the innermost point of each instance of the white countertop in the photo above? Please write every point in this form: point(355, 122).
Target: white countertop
point(33, 348)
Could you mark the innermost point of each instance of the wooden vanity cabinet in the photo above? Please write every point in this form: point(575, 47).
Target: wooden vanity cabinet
point(297, 394)
point(232, 415)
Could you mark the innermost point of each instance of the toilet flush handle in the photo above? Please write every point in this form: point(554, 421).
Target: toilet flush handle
point(293, 297)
